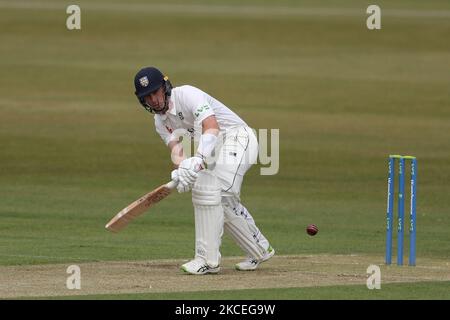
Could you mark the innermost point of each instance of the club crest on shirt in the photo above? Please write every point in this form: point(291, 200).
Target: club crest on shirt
point(169, 129)
point(144, 81)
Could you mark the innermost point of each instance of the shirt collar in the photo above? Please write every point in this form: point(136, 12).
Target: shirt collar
point(172, 109)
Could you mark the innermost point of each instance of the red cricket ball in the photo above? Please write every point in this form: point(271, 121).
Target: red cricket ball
point(312, 229)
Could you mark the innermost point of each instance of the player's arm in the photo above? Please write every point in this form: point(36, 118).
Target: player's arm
point(188, 168)
point(210, 125)
point(208, 139)
point(176, 153)
point(177, 156)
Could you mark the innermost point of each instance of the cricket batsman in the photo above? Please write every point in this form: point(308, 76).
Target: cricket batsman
point(227, 148)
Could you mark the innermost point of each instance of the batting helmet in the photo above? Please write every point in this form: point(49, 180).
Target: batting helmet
point(149, 80)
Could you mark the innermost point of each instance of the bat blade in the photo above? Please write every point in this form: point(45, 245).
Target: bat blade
point(138, 207)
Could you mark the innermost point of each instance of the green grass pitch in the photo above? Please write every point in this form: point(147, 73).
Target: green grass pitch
point(76, 147)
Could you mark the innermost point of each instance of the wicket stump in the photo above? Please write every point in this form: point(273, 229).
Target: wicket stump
point(401, 209)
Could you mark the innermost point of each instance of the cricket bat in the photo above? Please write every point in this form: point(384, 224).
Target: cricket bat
point(139, 206)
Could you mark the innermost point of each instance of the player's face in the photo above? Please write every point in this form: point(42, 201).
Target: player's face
point(156, 99)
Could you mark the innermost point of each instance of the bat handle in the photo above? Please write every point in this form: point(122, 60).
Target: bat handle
point(172, 184)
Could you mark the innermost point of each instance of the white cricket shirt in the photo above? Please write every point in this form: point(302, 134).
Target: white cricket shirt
point(188, 107)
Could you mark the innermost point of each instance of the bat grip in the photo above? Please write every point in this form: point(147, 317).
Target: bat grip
point(172, 184)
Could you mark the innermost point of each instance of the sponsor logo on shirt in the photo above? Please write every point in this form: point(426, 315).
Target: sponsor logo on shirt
point(201, 110)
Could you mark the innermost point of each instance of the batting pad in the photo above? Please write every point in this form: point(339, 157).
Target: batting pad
point(241, 226)
point(206, 197)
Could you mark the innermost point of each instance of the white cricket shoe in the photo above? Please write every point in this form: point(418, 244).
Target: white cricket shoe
point(251, 264)
point(199, 266)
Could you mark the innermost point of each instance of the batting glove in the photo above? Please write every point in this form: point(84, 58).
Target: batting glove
point(174, 175)
point(182, 187)
point(187, 173)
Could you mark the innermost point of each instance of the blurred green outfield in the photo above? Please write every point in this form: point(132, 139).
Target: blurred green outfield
point(76, 147)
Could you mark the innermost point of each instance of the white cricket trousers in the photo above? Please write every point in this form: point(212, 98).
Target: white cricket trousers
point(236, 154)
